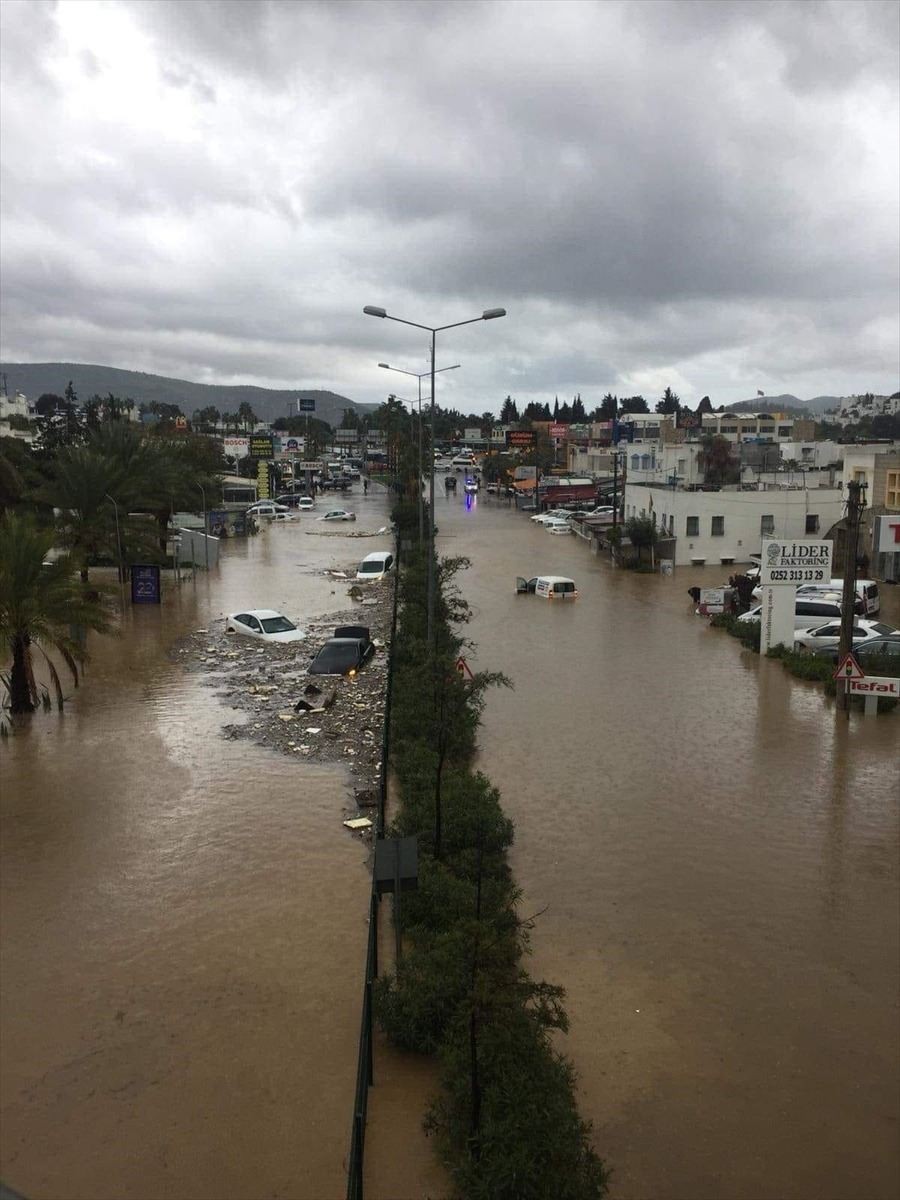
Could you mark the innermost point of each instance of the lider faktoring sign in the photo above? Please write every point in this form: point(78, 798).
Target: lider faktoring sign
point(794, 562)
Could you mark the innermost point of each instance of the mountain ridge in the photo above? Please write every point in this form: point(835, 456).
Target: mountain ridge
point(88, 379)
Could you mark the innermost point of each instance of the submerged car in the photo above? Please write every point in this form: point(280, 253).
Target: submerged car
point(878, 655)
point(338, 514)
point(342, 656)
point(548, 587)
point(265, 624)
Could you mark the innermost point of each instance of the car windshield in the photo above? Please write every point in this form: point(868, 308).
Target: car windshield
point(277, 625)
point(885, 630)
point(336, 657)
point(564, 587)
point(371, 568)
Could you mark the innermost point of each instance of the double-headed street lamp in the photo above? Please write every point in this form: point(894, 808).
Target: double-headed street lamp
point(415, 375)
point(489, 314)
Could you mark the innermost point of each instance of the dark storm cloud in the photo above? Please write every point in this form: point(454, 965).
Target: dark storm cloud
point(701, 193)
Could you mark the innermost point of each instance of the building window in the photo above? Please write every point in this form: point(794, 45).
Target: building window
point(692, 527)
point(892, 494)
point(635, 462)
point(729, 429)
point(812, 523)
point(645, 462)
point(784, 430)
point(717, 527)
point(859, 477)
point(766, 525)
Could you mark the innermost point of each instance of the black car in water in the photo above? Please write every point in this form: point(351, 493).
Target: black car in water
point(344, 655)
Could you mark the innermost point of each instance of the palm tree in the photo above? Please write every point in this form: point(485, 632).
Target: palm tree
point(39, 605)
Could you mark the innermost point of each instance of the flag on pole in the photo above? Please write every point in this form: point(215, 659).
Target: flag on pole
point(759, 393)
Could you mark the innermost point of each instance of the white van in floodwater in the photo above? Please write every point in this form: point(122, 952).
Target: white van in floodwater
point(375, 566)
point(548, 587)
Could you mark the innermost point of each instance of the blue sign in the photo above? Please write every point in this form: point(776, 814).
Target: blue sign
point(307, 404)
point(145, 585)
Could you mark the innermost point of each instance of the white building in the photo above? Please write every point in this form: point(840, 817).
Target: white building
point(853, 408)
point(728, 526)
point(756, 427)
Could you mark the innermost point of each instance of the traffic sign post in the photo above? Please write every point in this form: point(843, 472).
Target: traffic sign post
point(849, 668)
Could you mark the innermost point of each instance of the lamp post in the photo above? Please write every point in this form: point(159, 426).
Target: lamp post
point(205, 526)
point(415, 375)
point(119, 545)
point(489, 314)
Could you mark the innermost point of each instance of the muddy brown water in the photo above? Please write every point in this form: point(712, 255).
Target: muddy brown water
point(715, 848)
point(184, 919)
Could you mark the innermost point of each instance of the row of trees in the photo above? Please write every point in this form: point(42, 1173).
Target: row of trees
point(104, 497)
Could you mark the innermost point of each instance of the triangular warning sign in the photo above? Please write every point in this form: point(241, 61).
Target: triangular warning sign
point(849, 668)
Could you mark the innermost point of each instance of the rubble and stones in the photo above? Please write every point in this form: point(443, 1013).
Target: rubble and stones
point(335, 719)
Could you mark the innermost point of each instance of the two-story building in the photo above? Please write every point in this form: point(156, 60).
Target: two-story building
point(727, 526)
point(740, 427)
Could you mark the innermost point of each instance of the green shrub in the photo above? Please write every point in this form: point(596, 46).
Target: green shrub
point(748, 632)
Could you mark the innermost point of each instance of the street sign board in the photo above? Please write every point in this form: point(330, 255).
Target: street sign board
point(145, 587)
point(306, 404)
point(712, 600)
point(463, 668)
point(521, 438)
point(889, 535)
point(795, 561)
point(261, 445)
point(558, 430)
point(848, 668)
point(876, 685)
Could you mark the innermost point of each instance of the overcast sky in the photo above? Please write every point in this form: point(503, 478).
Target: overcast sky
point(700, 195)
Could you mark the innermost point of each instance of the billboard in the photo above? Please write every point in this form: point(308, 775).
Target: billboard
point(523, 439)
point(793, 562)
point(145, 586)
point(262, 445)
point(558, 431)
point(306, 404)
point(236, 447)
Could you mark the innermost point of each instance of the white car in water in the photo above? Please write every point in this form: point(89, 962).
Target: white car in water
point(338, 514)
point(830, 634)
point(264, 624)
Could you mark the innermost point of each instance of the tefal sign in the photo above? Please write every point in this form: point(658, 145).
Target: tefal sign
point(889, 535)
point(875, 685)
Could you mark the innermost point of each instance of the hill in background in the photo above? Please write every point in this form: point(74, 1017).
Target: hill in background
point(33, 379)
point(786, 403)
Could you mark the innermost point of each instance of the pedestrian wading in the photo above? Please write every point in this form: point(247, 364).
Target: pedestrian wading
point(506, 1122)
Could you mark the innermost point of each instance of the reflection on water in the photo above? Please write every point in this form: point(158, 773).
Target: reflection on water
point(184, 920)
point(717, 850)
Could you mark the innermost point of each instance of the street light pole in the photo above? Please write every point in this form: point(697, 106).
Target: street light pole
point(119, 546)
point(205, 526)
point(419, 378)
point(489, 314)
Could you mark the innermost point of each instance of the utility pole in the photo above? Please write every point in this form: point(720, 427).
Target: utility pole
point(855, 505)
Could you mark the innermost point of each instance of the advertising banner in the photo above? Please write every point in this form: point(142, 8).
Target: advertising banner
point(262, 445)
point(793, 562)
point(559, 430)
point(889, 534)
point(522, 439)
point(263, 488)
point(306, 404)
point(236, 447)
point(145, 585)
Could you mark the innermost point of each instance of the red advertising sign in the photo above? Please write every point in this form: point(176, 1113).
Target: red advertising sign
point(558, 430)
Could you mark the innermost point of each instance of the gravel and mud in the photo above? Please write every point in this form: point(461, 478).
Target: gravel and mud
point(269, 684)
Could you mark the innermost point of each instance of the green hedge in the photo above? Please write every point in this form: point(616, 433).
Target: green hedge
point(506, 1122)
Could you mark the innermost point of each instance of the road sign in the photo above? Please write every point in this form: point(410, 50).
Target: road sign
point(876, 685)
point(523, 438)
point(793, 562)
point(463, 668)
point(849, 668)
point(306, 404)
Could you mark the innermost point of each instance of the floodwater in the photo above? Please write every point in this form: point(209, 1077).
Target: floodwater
point(714, 847)
point(184, 918)
point(717, 853)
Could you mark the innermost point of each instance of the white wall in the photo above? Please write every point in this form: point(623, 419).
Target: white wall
point(741, 512)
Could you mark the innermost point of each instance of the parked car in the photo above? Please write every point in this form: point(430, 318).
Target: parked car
point(338, 514)
point(866, 593)
point(305, 503)
point(808, 612)
point(375, 566)
point(880, 655)
point(830, 634)
point(558, 525)
point(342, 656)
point(264, 624)
point(551, 514)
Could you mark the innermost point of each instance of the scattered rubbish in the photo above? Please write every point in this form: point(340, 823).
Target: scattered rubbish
point(314, 730)
point(312, 689)
point(286, 717)
point(359, 823)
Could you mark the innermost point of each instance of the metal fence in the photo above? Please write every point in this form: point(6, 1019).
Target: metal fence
point(365, 1055)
